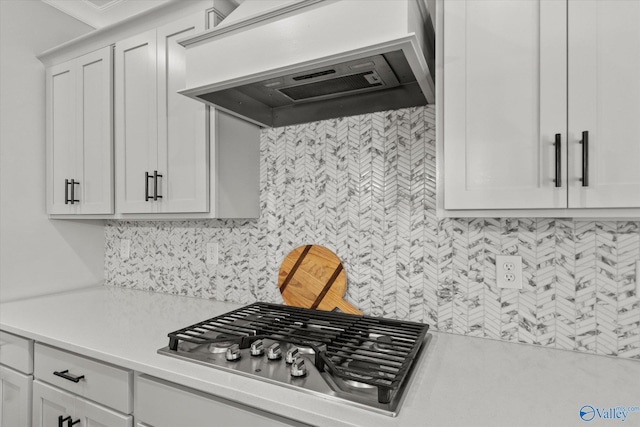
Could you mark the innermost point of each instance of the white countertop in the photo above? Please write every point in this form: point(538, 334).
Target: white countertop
point(461, 381)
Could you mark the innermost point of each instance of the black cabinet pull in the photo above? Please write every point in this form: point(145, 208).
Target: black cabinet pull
point(147, 197)
point(558, 146)
point(65, 374)
point(62, 419)
point(73, 191)
point(66, 191)
point(70, 183)
point(71, 423)
point(156, 175)
point(585, 158)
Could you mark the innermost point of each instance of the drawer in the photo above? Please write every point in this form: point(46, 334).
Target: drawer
point(16, 352)
point(157, 400)
point(101, 382)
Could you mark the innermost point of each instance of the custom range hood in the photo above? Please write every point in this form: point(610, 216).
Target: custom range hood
point(279, 63)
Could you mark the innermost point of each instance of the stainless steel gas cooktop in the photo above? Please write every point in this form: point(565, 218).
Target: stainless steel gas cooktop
point(363, 360)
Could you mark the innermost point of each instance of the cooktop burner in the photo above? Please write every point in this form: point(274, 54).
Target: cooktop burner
point(364, 360)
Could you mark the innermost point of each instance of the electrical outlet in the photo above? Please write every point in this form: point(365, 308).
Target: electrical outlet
point(125, 246)
point(212, 253)
point(509, 271)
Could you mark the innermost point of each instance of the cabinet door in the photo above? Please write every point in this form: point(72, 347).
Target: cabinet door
point(61, 135)
point(94, 415)
point(94, 132)
point(504, 102)
point(604, 99)
point(15, 398)
point(182, 125)
point(136, 121)
point(49, 404)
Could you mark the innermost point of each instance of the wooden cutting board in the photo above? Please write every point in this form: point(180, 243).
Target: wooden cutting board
point(312, 276)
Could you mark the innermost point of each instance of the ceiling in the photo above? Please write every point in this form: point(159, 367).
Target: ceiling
point(101, 13)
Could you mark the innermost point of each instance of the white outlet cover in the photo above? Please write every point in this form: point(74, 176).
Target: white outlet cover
point(212, 253)
point(502, 273)
point(125, 246)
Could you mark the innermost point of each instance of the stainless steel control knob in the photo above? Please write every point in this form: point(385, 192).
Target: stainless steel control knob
point(274, 352)
point(298, 368)
point(291, 355)
point(257, 348)
point(233, 352)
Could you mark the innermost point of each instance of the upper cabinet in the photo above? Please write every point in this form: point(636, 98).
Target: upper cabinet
point(541, 105)
point(79, 135)
point(123, 143)
point(161, 136)
point(604, 103)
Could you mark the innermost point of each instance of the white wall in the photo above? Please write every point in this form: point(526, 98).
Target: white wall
point(37, 255)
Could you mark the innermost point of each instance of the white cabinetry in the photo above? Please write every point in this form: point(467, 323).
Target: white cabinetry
point(161, 136)
point(156, 401)
point(79, 135)
point(70, 387)
point(15, 398)
point(16, 367)
point(123, 144)
point(604, 100)
point(54, 407)
point(507, 101)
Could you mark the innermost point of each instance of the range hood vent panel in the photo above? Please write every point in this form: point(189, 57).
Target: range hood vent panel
point(351, 67)
point(334, 87)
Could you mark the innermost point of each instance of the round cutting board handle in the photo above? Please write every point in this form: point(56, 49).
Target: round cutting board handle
point(345, 307)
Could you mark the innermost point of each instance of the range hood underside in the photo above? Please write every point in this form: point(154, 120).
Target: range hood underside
point(269, 107)
point(403, 96)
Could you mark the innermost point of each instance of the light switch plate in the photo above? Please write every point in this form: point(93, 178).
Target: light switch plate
point(509, 271)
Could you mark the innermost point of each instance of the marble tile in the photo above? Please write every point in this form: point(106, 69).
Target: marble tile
point(364, 186)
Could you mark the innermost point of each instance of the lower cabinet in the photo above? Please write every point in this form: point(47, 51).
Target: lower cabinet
point(55, 407)
point(157, 404)
point(15, 398)
point(73, 390)
point(68, 389)
point(16, 380)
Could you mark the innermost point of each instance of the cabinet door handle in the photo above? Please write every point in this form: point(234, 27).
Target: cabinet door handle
point(156, 175)
point(62, 420)
point(558, 146)
point(67, 376)
point(147, 197)
point(585, 158)
point(66, 191)
point(70, 422)
point(73, 191)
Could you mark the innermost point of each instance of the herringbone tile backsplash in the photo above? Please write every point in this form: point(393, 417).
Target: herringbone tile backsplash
point(364, 186)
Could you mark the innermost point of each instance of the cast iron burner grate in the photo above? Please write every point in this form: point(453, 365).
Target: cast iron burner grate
point(369, 351)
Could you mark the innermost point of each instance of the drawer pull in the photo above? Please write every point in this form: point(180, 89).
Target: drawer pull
point(65, 374)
